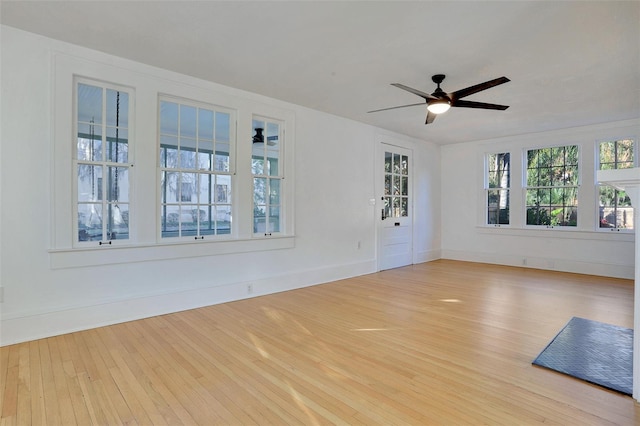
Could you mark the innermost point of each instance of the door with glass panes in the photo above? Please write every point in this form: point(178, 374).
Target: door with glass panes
point(395, 230)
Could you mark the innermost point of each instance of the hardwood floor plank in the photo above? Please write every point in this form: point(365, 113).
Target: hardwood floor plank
point(441, 343)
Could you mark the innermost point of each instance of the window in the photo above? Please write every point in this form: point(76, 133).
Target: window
point(196, 168)
point(614, 207)
point(498, 181)
point(268, 175)
point(552, 186)
point(102, 162)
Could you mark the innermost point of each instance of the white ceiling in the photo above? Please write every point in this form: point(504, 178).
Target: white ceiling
point(570, 63)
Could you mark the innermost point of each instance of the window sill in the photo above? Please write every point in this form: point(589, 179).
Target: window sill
point(557, 232)
point(109, 255)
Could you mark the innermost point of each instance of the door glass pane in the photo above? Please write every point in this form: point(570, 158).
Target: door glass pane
point(404, 206)
point(387, 162)
point(387, 184)
point(405, 185)
point(404, 165)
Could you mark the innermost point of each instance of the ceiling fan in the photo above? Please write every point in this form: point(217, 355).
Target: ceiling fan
point(440, 101)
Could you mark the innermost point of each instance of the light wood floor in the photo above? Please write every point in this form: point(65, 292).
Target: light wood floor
point(445, 342)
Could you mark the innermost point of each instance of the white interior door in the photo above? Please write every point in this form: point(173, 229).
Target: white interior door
point(395, 221)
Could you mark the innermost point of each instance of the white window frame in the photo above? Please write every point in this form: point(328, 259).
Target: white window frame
point(231, 172)
point(526, 187)
point(598, 186)
point(104, 242)
point(279, 177)
point(488, 189)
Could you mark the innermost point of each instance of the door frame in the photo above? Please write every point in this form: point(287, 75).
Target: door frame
point(385, 143)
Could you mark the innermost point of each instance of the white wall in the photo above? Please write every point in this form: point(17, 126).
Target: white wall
point(582, 249)
point(47, 291)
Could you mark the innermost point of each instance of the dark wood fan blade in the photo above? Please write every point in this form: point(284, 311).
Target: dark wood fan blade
point(430, 117)
point(414, 91)
point(481, 105)
point(395, 107)
point(458, 94)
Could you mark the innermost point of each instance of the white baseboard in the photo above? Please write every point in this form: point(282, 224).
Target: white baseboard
point(552, 264)
point(427, 256)
point(38, 325)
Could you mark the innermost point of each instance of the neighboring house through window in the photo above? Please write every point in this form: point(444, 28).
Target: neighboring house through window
point(196, 168)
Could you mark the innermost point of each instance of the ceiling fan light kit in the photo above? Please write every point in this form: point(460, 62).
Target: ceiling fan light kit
point(440, 101)
point(438, 107)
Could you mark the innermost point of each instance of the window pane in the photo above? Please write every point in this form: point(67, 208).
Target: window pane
point(168, 151)
point(205, 221)
point(205, 185)
point(259, 190)
point(205, 124)
point(90, 104)
point(274, 191)
point(169, 187)
point(223, 189)
point(223, 127)
point(257, 165)
point(117, 149)
point(222, 157)
point(117, 108)
point(187, 121)
point(89, 222)
point(259, 217)
point(223, 219)
point(118, 221)
point(187, 153)
point(118, 185)
point(205, 154)
point(498, 207)
point(89, 142)
point(274, 219)
point(89, 183)
point(168, 118)
point(188, 192)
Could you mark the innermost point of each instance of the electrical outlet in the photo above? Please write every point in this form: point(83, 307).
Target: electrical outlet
point(249, 288)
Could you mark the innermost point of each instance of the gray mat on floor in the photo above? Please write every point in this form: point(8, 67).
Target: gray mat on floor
point(593, 351)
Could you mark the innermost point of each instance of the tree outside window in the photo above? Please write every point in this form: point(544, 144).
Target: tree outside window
point(552, 186)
